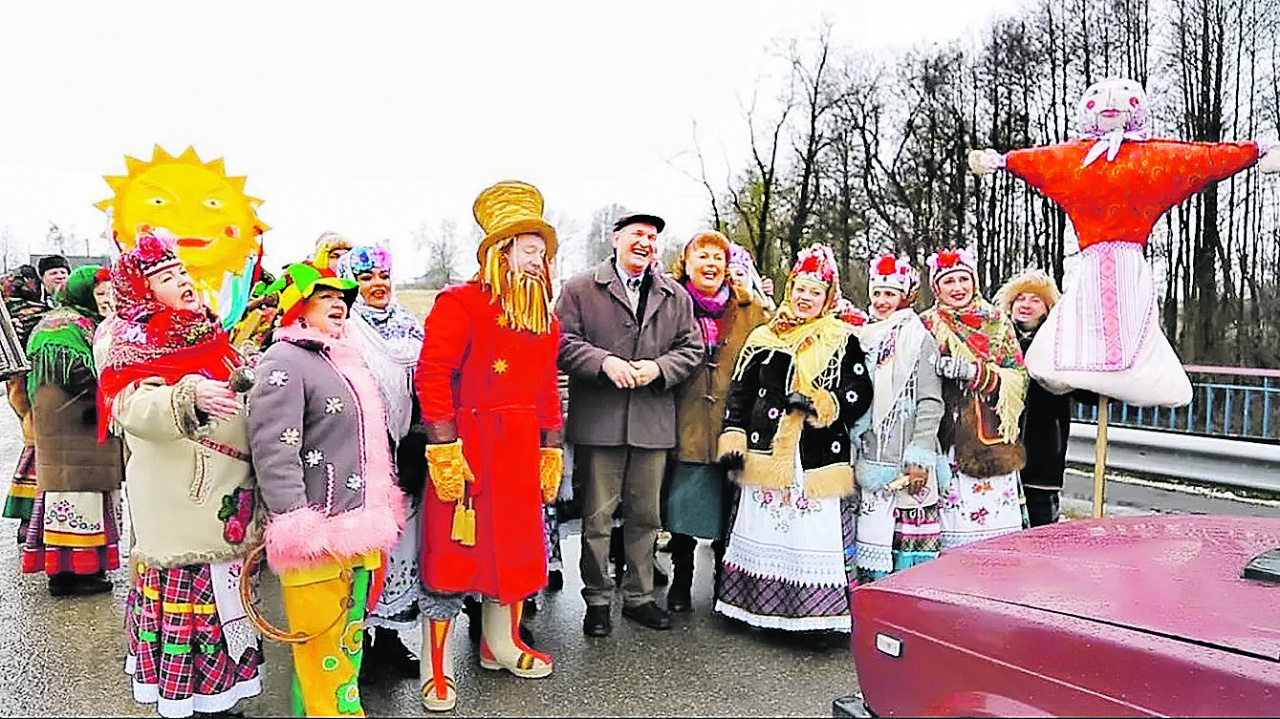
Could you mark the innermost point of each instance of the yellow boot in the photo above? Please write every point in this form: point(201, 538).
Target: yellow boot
point(500, 644)
point(439, 692)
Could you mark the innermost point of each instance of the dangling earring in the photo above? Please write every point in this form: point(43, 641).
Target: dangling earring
point(302, 322)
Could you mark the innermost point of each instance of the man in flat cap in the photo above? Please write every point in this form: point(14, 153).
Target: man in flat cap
point(629, 338)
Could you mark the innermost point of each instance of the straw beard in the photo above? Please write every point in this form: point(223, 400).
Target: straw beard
point(525, 298)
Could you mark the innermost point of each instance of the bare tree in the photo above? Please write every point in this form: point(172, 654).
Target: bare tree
point(441, 248)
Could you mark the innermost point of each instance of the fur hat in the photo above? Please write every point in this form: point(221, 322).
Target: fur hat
point(895, 273)
point(49, 262)
point(946, 262)
point(1037, 281)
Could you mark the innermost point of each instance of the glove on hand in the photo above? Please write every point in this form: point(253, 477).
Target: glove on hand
point(985, 162)
point(1269, 159)
point(956, 369)
point(449, 470)
point(550, 471)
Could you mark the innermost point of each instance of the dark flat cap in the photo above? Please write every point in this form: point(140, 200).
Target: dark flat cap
point(632, 218)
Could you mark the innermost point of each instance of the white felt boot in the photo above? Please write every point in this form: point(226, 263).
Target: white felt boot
point(439, 692)
point(501, 647)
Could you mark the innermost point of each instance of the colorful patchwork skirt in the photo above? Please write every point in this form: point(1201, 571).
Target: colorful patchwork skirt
point(785, 565)
point(73, 532)
point(890, 538)
point(22, 490)
point(191, 646)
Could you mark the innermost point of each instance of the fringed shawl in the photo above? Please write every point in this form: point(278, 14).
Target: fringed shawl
point(980, 333)
point(817, 349)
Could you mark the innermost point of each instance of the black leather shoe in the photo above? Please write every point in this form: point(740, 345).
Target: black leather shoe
point(555, 580)
point(649, 614)
point(597, 623)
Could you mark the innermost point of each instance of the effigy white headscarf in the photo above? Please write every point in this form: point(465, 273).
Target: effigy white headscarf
point(1114, 94)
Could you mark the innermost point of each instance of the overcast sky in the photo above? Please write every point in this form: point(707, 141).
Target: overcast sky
point(369, 118)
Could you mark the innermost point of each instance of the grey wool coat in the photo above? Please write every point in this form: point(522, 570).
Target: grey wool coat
point(321, 452)
point(596, 321)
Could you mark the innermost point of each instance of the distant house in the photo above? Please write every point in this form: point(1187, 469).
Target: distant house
point(75, 260)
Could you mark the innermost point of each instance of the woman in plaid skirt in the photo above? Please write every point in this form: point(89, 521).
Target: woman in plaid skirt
point(192, 501)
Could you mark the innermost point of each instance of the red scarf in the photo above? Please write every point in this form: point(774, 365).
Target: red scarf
point(214, 358)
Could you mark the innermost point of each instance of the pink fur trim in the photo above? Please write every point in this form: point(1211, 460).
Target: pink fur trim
point(305, 537)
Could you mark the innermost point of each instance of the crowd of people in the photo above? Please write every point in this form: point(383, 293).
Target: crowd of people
point(395, 472)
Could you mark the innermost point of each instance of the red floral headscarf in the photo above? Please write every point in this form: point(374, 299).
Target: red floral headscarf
point(152, 339)
point(816, 264)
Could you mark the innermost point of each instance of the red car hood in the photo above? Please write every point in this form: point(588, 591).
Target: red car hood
point(1176, 576)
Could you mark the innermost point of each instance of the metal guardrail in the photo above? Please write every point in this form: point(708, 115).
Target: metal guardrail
point(1245, 406)
point(1207, 460)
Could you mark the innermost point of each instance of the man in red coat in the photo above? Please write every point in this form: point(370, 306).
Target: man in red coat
point(486, 382)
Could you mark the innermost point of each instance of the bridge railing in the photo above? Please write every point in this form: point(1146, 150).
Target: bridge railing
point(1232, 402)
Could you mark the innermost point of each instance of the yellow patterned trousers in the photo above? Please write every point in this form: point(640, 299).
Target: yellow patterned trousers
point(326, 670)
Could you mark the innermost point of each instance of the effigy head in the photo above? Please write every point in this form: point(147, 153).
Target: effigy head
point(1114, 103)
point(205, 213)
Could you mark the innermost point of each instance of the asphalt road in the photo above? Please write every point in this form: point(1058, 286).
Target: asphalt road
point(65, 657)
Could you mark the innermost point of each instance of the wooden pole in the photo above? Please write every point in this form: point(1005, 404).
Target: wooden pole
point(1100, 462)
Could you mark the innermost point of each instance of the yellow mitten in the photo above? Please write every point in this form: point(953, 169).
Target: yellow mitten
point(449, 470)
point(550, 471)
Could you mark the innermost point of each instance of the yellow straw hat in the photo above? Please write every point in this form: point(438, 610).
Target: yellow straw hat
point(511, 208)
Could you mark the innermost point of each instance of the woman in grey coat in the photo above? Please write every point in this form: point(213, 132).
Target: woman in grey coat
point(898, 461)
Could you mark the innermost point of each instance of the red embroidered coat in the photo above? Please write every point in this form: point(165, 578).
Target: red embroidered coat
point(1121, 199)
point(498, 386)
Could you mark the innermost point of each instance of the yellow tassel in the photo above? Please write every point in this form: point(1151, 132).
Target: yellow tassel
point(463, 530)
point(469, 536)
point(459, 518)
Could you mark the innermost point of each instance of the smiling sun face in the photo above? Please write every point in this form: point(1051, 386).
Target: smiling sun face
point(214, 223)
